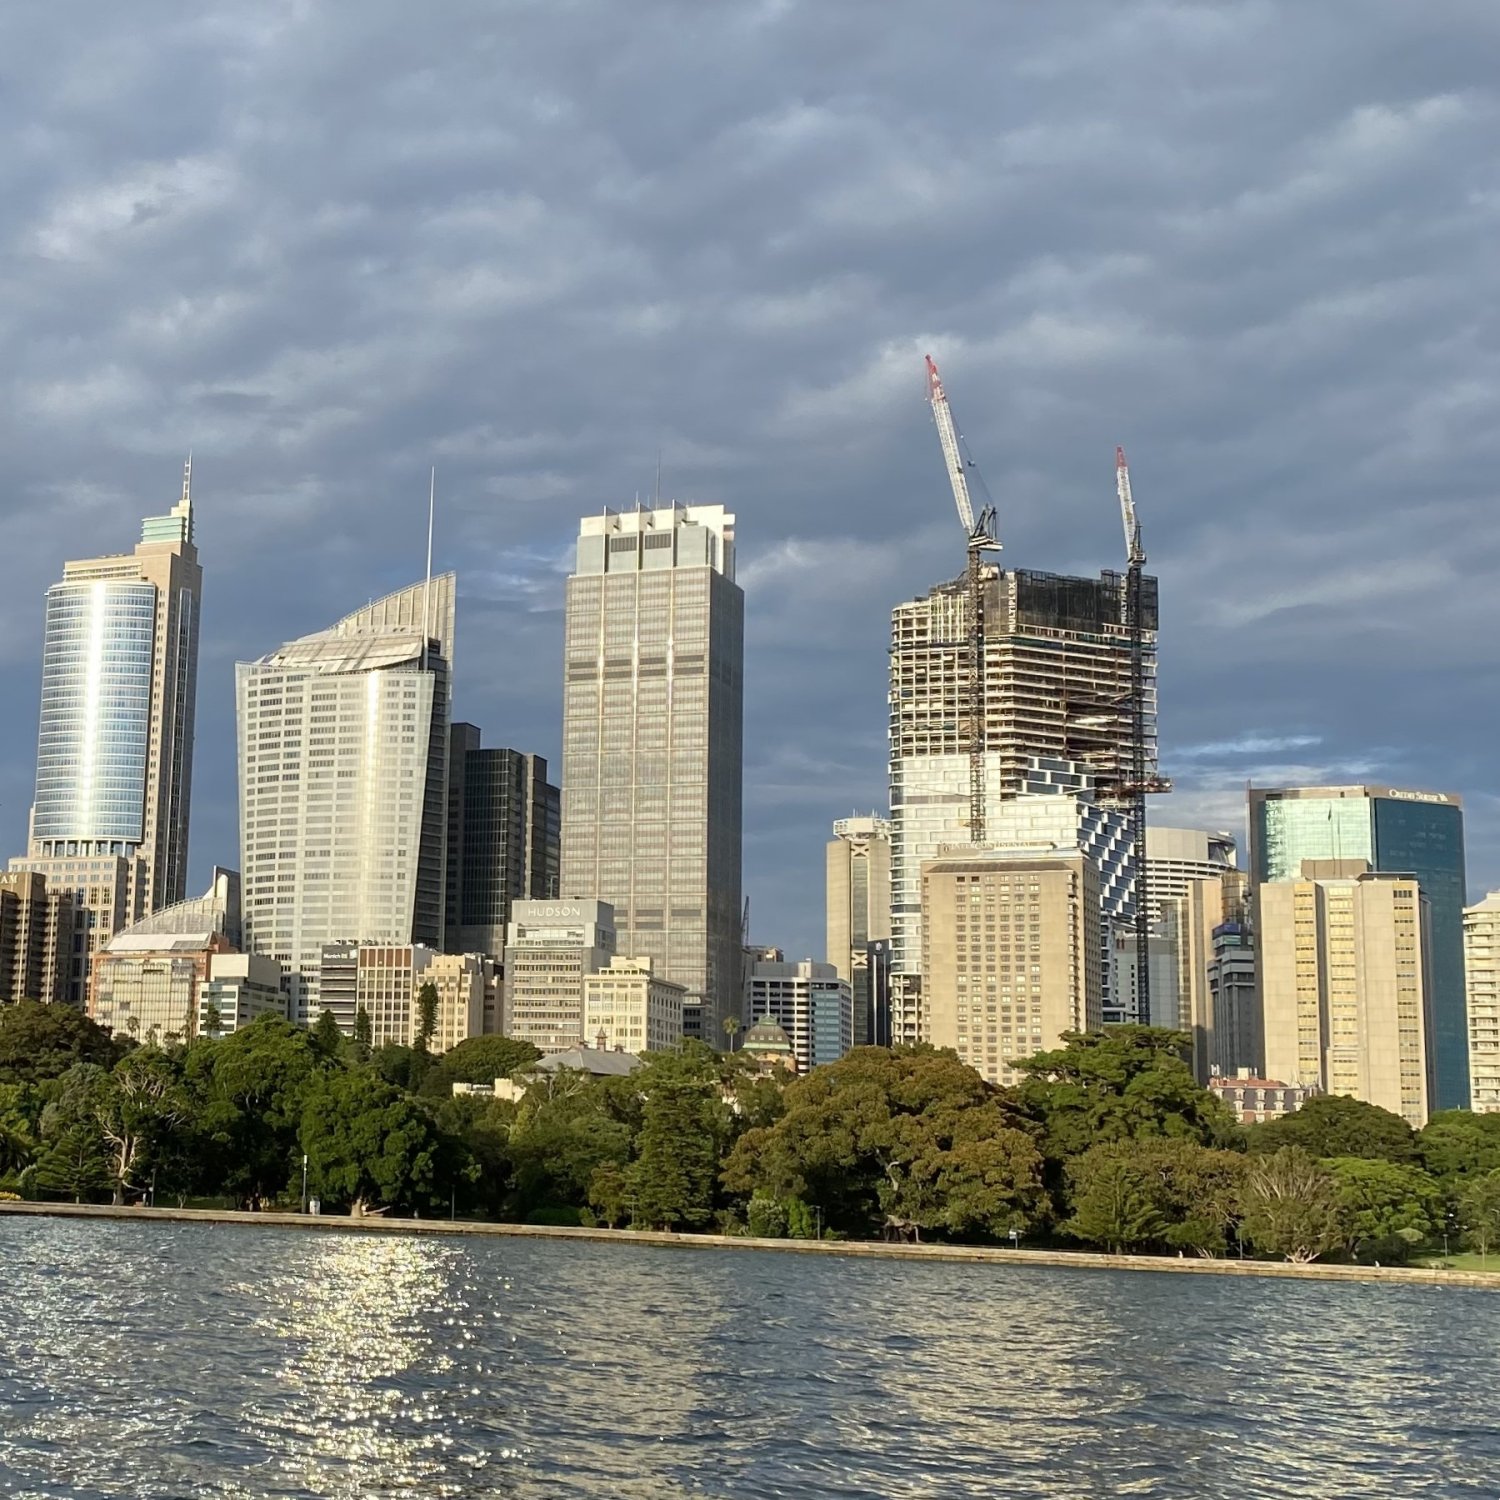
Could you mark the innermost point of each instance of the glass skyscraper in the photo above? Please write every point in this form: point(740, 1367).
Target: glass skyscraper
point(115, 740)
point(652, 755)
point(1398, 832)
point(343, 762)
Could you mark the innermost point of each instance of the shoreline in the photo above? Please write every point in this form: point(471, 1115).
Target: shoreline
point(870, 1249)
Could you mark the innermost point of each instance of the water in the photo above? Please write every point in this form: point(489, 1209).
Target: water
point(203, 1360)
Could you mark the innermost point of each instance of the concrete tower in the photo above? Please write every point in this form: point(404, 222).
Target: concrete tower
point(652, 753)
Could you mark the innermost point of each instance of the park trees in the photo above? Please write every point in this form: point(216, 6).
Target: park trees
point(1329, 1125)
point(1384, 1208)
point(480, 1059)
point(39, 1042)
point(1479, 1212)
point(685, 1126)
point(1290, 1205)
point(1456, 1145)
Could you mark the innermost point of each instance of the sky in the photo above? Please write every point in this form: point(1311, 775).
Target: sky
point(540, 243)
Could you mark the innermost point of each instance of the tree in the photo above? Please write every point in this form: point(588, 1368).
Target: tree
point(902, 1139)
point(141, 1105)
point(610, 1193)
point(1291, 1205)
point(405, 1067)
point(1384, 1208)
point(1456, 1145)
point(364, 1033)
point(327, 1037)
point(567, 1126)
point(16, 1148)
point(479, 1059)
point(684, 1123)
point(72, 1163)
point(369, 1144)
point(732, 1028)
point(1117, 1203)
point(427, 1009)
point(1331, 1125)
point(213, 1021)
point(1120, 1084)
point(39, 1042)
point(1479, 1211)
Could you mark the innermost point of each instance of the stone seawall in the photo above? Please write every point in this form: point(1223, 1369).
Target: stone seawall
point(1075, 1259)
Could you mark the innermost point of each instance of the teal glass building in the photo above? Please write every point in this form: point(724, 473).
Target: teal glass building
point(1397, 831)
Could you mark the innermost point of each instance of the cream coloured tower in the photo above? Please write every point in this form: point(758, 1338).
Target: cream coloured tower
point(652, 755)
point(343, 761)
point(858, 861)
point(1482, 981)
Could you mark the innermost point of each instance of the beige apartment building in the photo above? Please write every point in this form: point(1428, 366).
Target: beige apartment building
point(36, 934)
point(385, 981)
point(1482, 989)
point(627, 1008)
point(1012, 954)
point(1344, 984)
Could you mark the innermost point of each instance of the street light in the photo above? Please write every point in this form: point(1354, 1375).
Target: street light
point(304, 1182)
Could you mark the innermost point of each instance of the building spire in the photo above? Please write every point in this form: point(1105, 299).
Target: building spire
point(427, 587)
point(184, 507)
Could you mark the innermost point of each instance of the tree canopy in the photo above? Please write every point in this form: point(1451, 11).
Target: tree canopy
point(1329, 1125)
point(39, 1042)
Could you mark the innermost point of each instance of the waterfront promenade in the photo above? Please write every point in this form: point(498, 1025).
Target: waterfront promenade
point(1076, 1259)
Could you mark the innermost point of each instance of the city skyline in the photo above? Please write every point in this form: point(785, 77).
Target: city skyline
point(538, 285)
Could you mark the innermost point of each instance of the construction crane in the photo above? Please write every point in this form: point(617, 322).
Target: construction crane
point(979, 535)
point(1131, 790)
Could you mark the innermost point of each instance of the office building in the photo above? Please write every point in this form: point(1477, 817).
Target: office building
point(1396, 831)
point(1238, 1039)
point(343, 764)
point(627, 1008)
point(36, 934)
point(652, 756)
point(1344, 975)
point(1013, 954)
point(1482, 979)
point(154, 981)
point(503, 839)
point(115, 743)
point(1057, 685)
point(858, 862)
point(549, 948)
point(1175, 857)
point(811, 1004)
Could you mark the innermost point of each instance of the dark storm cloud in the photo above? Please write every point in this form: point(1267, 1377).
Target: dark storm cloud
point(537, 244)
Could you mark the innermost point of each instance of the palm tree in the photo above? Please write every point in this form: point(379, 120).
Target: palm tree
point(732, 1025)
point(15, 1149)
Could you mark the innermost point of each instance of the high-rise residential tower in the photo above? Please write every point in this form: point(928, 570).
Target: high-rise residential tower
point(1482, 977)
point(115, 747)
point(1343, 978)
point(652, 754)
point(1396, 831)
point(1058, 681)
point(859, 911)
point(343, 761)
point(503, 836)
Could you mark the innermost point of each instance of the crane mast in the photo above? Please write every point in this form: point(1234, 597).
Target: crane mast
point(979, 538)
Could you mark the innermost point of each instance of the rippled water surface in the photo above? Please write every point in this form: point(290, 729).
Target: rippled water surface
point(155, 1359)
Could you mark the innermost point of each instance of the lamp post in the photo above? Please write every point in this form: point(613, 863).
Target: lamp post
point(304, 1182)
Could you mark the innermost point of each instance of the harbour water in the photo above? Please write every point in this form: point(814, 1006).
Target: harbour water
point(155, 1359)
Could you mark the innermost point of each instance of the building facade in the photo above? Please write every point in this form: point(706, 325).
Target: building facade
point(549, 949)
point(240, 988)
point(627, 1008)
point(811, 1003)
point(652, 742)
point(1175, 857)
point(504, 830)
point(36, 935)
point(1255, 1100)
point(858, 861)
point(343, 767)
point(1344, 976)
point(1398, 831)
point(115, 742)
point(1482, 979)
point(1057, 682)
point(1013, 954)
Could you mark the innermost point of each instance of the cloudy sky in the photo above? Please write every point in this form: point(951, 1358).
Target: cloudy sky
point(535, 243)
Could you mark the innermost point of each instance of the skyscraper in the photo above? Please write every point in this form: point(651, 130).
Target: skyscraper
point(1482, 975)
point(1344, 984)
point(503, 833)
point(1400, 832)
point(115, 745)
point(859, 909)
point(1175, 857)
point(1057, 685)
point(652, 755)
point(343, 762)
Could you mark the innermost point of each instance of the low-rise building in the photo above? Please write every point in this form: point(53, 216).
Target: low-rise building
point(626, 1005)
point(769, 1047)
point(383, 982)
point(240, 988)
point(1256, 1099)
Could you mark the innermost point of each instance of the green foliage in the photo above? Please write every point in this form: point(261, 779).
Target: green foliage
point(427, 1009)
point(404, 1067)
point(369, 1144)
point(1384, 1208)
point(908, 1137)
point(364, 1033)
point(766, 1217)
point(39, 1042)
point(1335, 1125)
point(1456, 1145)
point(1290, 1205)
point(610, 1194)
point(566, 1128)
point(480, 1059)
point(1117, 1203)
point(684, 1125)
point(481, 1128)
point(326, 1036)
point(1121, 1084)
point(138, 1111)
point(1479, 1212)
